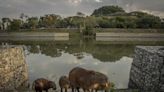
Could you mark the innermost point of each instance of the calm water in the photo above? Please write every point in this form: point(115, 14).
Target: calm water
point(52, 59)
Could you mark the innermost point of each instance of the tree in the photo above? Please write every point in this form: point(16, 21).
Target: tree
point(0, 25)
point(5, 23)
point(23, 18)
point(107, 10)
point(162, 23)
point(62, 23)
point(32, 22)
point(91, 22)
point(15, 24)
point(138, 14)
point(74, 21)
point(49, 20)
point(105, 22)
point(149, 22)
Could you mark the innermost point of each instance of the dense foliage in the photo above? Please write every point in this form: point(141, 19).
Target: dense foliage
point(104, 17)
point(107, 11)
point(15, 24)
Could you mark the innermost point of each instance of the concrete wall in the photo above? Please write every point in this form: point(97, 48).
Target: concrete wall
point(34, 34)
point(147, 71)
point(121, 36)
point(13, 68)
point(140, 35)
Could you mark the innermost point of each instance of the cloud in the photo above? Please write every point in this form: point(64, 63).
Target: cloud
point(75, 2)
point(13, 8)
point(98, 1)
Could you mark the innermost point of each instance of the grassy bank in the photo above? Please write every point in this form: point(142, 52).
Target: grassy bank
point(74, 33)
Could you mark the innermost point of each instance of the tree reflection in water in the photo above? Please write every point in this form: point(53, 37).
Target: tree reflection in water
point(102, 51)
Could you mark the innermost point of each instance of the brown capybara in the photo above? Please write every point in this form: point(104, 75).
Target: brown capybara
point(42, 84)
point(76, 75)
point(95, 81)
point(87, 80)
point(64, 83)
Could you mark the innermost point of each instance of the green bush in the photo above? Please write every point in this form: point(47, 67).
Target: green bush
point(88, 31)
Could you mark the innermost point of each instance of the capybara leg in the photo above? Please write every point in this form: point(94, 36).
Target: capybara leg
point(36, 90)
point(106, 90)
point(72, 89)
point(61, 90)
point(65, 89)
point(78, 89)
point(84, 90)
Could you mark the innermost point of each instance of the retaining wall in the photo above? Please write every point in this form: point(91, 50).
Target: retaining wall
point(147, 71)
point(13, 68)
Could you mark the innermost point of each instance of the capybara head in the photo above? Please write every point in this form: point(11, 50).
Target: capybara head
point(64, 82)
point(101, 86)
point(52, 85)
point(106, 85)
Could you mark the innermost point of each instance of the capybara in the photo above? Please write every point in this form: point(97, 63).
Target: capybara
point(76, 75)
point(42, 84)
point(64, 83)
point(87, 80)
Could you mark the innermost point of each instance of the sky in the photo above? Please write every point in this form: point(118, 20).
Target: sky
point(13, 8)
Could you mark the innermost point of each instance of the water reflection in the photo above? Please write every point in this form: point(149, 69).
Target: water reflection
point(104, 53)
point(53, 67)
point(52, 59)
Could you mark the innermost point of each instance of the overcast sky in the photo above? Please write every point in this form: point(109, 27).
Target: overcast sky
point(13, 8)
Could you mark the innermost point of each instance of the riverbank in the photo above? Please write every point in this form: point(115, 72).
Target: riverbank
point(16, 36)
point(34, 34)
point(100, 34)
point(121, 36)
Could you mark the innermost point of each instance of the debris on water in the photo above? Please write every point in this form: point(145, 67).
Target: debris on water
point(79, 55)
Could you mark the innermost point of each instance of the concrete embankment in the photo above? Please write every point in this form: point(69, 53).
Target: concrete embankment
point(65, 36)
point(34, 36)
point(129, 36)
